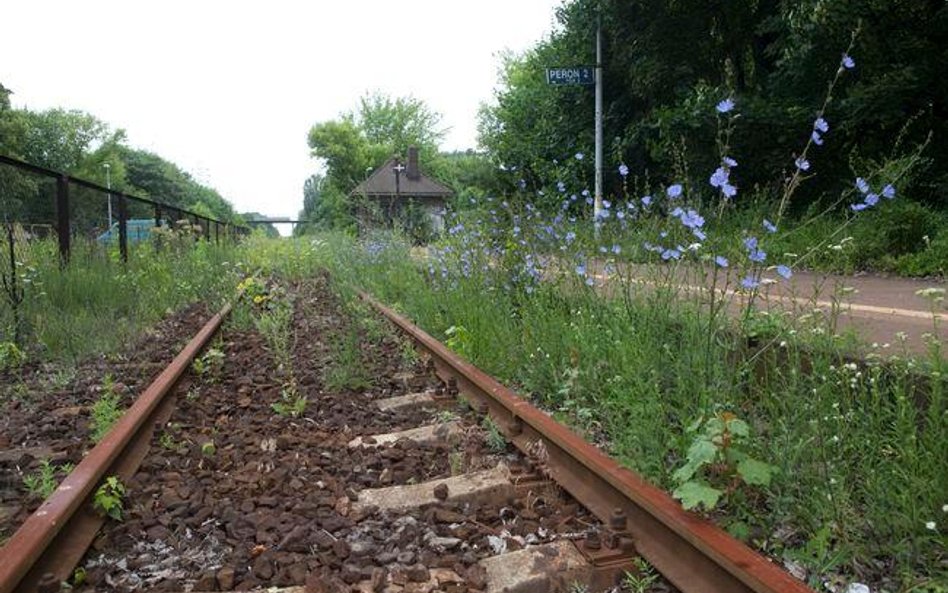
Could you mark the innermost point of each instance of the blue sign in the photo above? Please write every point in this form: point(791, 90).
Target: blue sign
point(585, 75)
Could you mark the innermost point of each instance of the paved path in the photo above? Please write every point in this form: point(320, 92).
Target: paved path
point(876, 308)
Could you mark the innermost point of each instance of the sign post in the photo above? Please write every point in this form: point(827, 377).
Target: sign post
point(587, 76)
point(579, 75)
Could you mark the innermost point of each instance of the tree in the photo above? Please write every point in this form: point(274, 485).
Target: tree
point(668, 63)
point(358, 142)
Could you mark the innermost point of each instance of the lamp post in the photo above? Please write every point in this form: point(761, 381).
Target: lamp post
point(108, 184)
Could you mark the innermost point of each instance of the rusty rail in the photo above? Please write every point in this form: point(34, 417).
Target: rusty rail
point(53, 539)
point(692, 553)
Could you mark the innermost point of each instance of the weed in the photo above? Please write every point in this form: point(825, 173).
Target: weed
point(208, 449)
point(106, 410)
point(456, 462)
point(291, 403)
point(11, 357)
point(347, 371)
point(642, 578)
point(209, 365)
point(445, 416)
point(410, 356)
point(109, 498)
point(42, 483)
point(495, 439)
point(717, 464)
point(168, 442)
point(460, 340)
point(275, 325)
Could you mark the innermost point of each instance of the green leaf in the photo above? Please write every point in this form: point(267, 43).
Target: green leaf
point(740, 530)
point(691, 494)
point(738, 427)
point(701, 452)
point(756, 473)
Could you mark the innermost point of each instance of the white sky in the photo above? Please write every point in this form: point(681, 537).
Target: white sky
point(229, 90)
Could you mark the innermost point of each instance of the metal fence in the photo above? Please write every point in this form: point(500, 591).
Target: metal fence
point(38, 202)
point(50, 219)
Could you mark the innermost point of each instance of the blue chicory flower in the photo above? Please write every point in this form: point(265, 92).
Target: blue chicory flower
point(871, 199)
point(817, 139)
point(847, 62)
point(821, 125)
point(728, 190)
point(862, 185)
point(561, 186)
point(750, 282)
point(581, 270)
point(580, 156)
point(888, 192)
point(673, 191)
point(699, 234)
point(729, 161)
point(802, 164)
point(771, 228)
point(858, 207)
point(757, 256)
point(623, 170)
point(719, 177)
point(692, 219)
point(721, 261)
point(750, 243)
point(646, 200)
point(725, 106)
point(784, 272)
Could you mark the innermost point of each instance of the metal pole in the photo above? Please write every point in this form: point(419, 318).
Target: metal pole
point(62, 217)
point(123, 227)
point(108, 184)
point(597, 208)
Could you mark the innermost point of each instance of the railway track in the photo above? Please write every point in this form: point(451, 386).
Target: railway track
point(428, 476)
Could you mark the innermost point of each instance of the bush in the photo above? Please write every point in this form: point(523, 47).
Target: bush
point(901, 227)
point(931, 261)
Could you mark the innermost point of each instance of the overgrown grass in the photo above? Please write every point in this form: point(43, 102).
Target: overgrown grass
point(860, 473)
point(96, 304)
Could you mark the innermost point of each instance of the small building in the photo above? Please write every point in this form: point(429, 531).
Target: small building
point(393, 186)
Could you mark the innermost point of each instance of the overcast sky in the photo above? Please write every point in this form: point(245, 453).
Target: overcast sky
point(229, 90)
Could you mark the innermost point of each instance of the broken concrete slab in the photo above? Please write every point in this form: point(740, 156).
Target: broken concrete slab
point(492, 484)
point(446, 432)
point(402, 401)
point(547, 567)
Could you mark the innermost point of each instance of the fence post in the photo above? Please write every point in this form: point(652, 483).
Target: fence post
point(62, 217)
point(123, 227)
point(207, 230)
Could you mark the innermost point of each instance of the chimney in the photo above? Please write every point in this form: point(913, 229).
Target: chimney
point(412, 172)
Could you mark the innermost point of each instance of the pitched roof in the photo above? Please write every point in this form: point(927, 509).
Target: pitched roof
point(382, 183)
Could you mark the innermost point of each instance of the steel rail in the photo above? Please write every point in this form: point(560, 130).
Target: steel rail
point(49, 542)
point(692, 553)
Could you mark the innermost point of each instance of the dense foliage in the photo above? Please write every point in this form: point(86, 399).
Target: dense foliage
point(667, 63)
point(81, 145)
